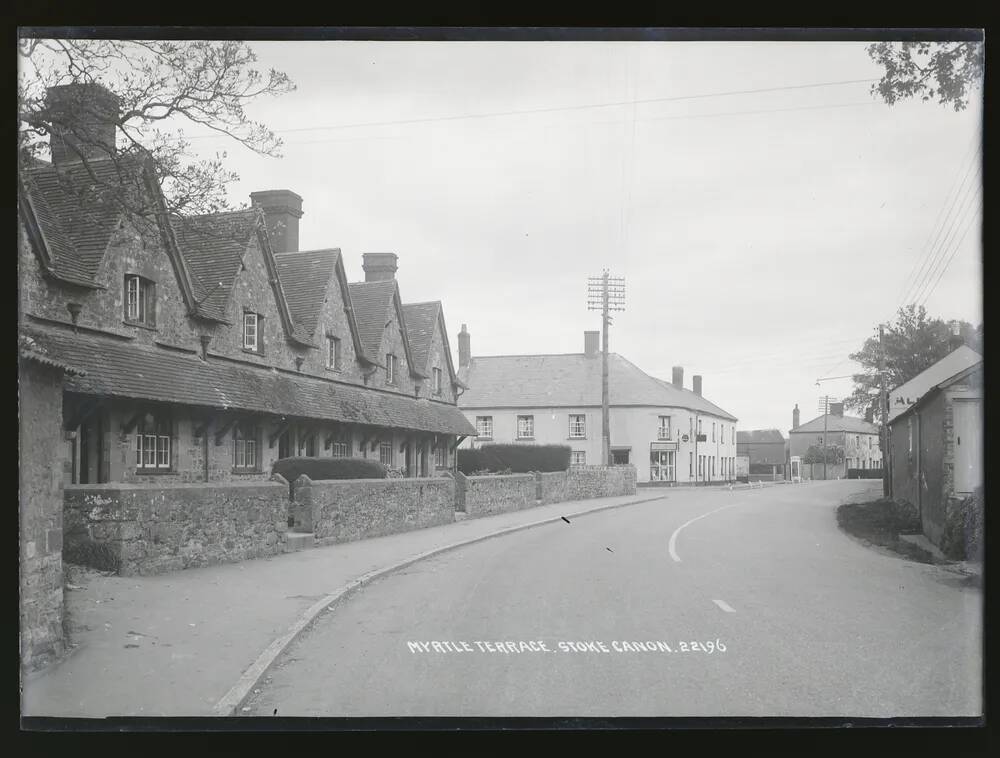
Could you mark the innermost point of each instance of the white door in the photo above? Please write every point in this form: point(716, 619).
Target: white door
point(968, 431)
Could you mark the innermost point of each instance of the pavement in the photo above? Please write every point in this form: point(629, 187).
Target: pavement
point(755, 603)
point(179, 644)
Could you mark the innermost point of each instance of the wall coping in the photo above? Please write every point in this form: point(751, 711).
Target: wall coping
point(502, 477)
point(150, 486)
point(408, 479)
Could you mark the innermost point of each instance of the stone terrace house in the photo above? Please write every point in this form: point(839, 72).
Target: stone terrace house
point(857, 437)
point(212, 346)
point(936, 442)
point(670, 434)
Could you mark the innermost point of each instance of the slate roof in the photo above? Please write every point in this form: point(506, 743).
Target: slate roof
point(837, 424)
point(420, 320)
point(304, 278)
point(907, 394)
point(372, 301)
point(76, 225)
point(570, 379)
point(213, 246)
point(760, 436)
point(124, 369)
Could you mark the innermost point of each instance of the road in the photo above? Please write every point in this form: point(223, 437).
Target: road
point(781, 613)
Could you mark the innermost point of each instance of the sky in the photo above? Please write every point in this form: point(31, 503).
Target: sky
point(762, 236)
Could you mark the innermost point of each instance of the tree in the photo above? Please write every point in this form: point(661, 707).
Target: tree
point(947, 71)
point(159, 85)
point(912, 344)
point(815, 454)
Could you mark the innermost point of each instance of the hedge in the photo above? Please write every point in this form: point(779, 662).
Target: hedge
point(864, 473)
point(328, 468)
point(963, 530)
point(518, 459)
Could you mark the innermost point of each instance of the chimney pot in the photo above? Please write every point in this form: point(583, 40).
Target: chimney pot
point(379, 267)
point(84, 118)
point(679, 377)
point(282, 211)
point(591, 343)
point(464, 348)
point(696, 384)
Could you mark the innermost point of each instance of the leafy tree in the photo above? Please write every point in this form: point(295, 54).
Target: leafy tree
point(160, 86)
point(834, 454)
point(912, 344)
point(947, 71)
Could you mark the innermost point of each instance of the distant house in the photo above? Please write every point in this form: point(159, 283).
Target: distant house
point(936, 443)
point(765, 450)
point(858, 438)
point(671, 434)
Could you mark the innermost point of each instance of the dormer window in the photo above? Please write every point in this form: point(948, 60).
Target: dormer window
point(390, 368)
point(333, 354)
point(140, 300)
point(251, 332)
point(437, 381)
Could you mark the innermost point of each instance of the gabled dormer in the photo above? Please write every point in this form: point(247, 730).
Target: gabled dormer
point(431, 352)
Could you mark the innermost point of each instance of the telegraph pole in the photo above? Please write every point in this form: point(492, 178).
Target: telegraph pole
point(884, 406)
point(605, 293)
point(826, 415)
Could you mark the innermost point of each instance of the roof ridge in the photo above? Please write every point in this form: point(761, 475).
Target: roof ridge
point(291, 253)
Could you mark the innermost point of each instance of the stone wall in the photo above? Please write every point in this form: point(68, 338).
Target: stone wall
point(488, 495)
point(354, 509)
point(584, 482)
point(150, 529)
point(40, 487)
point(553, 486)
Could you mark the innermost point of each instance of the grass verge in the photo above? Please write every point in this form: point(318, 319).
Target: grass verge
point(881, 522)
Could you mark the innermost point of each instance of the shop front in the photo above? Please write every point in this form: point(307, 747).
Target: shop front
point(663, 461)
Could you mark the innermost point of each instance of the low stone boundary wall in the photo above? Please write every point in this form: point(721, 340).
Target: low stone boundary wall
point(354, 509)
point(487, 495)
point(585, 482)
point(149, 529)
point(552, 487)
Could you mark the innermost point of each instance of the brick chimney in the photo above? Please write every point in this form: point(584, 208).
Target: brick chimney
point(379, 267)
point(591, 343)
point(464, 348)
point(282, 211)
point(679, 377)
point(795, 417)
point(696, 384)
point(837, 409)
point(84, 117)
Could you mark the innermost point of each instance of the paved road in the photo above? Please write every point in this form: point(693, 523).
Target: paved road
point(812, 622)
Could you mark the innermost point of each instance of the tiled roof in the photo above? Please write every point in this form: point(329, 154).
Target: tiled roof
point(76, 223)
point(837, 424)
point(372, 301)
point(304, 278)
point(30, 350)
point(213, 246)
point(760, 436)
point(420, 320)
point(124, 369)
point(908, 393)
point(572, 379)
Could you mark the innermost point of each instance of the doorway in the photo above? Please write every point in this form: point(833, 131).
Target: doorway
point(968, 427)
point(91, 438)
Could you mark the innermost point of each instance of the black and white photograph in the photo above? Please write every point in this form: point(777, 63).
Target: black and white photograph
point(475, 375)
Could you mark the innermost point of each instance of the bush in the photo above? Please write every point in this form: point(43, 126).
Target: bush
point(82, 550)
point(864, 473)
point(963, 529)
point(519, 459)
point(328, 468)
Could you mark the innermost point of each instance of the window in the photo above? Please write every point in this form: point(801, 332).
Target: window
point(342, 449)
point(390, 368)
point(578, 458)
point(690, 428)
point(437, 380)
point(713, 431)
point(699, 426)
point(140, 300)
point(307, 444)
point(245, 447)
point(251, 335)
point(690, 465)
point(152, 443)
point(385, 454)
point(441, 456)
point(333, 356)
point(909, 430)
point(484, 427)
point(577, 425)
point(525, 427)
point(664, 430)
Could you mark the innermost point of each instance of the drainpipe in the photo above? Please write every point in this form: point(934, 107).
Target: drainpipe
point(204, 445)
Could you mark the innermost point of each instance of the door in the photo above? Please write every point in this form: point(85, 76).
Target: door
point(661, 466)
point(92, 451)
point(968, 431)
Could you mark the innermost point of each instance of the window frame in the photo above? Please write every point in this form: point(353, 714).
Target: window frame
point(151, 444)
point(258, 343)
point(382, 448)
point(659, 431)
point(530, 420)
point(334, 355)
point(390, 368)
point(145, 301)
point(246, 445)
point(488, 419)
point(581, 425)
point(436, 373)
point(574, 455)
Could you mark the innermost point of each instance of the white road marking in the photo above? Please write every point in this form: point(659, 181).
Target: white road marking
point(672, 545)
point(724, 606)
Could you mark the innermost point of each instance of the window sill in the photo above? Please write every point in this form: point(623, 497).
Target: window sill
point(139, 325)
point(153, 471)
point(576, 438)
point(258, 353)
point(524, 439)
point(334, 370)
point(246, 471)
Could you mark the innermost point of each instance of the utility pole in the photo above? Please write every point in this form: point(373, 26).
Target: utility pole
point(826, 415)
point(884, 406)
point(605, 293)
